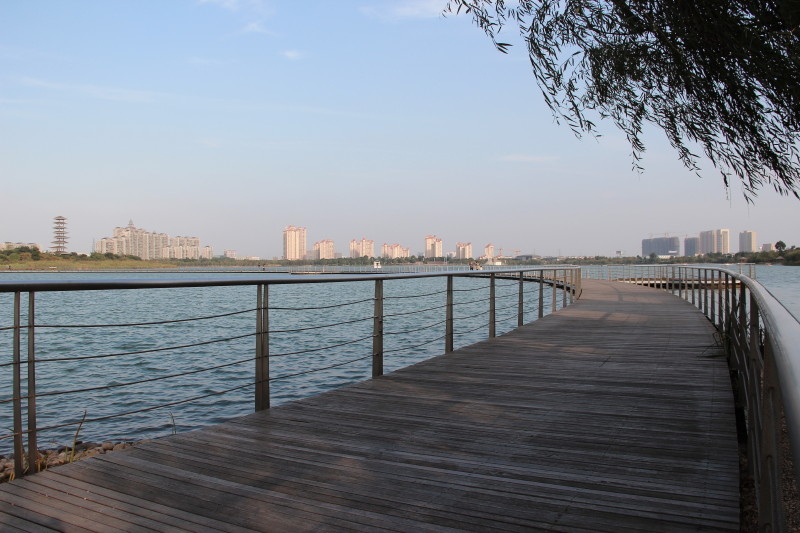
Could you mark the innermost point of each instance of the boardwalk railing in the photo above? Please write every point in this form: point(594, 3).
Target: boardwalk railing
point(762, 339)
point(118, 350)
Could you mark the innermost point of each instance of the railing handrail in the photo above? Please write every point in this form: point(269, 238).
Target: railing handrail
point(227, 281)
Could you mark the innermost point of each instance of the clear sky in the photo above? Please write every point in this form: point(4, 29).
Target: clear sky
point(231, 119)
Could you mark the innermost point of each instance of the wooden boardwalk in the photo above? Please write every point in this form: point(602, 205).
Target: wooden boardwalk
point(614, 414)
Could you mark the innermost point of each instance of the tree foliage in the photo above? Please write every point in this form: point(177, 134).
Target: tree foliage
point(721, 76)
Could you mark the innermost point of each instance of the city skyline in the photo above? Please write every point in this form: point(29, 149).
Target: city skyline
point(230, 117)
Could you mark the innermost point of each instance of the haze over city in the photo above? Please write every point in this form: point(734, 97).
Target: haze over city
point(231, 119)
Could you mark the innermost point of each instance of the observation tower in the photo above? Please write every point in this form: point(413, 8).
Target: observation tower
point(59, 236)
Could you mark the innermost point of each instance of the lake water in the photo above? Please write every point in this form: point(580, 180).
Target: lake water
point(133, 355)
point(173, 352)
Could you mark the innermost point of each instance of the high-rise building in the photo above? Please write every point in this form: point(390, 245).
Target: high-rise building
point(144, 244)
point(691, 246)
point(324, 249)
point(362, 248)
point(715, 241)
point(230, 254)
point(464, 250)
point(207, 252)
point(747, 241)
point(768, 247)
point(294, 243)
point(433, 246)
point(661, 246)
point(59, 235)
point(394, 251)
point(488, 251)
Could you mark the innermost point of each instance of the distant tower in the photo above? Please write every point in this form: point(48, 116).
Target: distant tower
point(59, 236)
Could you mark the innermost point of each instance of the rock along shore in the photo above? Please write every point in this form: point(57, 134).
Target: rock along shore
point(62, 455)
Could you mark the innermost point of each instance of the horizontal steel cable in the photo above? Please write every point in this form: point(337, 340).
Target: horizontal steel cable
point(321, 327)
point(319, 369)
point(175, 321)
point(404, 348)
point(415, 330)
point(322, 306)
point(455, 304)
point(128, 384)
point(152, 350)
point(485, 312)
point(459, 333)
point(322, 348)
point(481, 288)
point(416, 312)
point(414, 295)
point(137, 411)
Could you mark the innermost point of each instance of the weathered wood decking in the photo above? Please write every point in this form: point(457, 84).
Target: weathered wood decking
point(614, 414)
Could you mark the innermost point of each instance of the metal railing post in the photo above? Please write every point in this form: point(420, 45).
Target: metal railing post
point(713, 309)
point(33, 448)
point(491, 305)
point(520, 302)
point(377, 331)
point(19, 461)
point(262, 348)
point(554, 298)
point(448, 337)
point(541, 293)
point(564, 289)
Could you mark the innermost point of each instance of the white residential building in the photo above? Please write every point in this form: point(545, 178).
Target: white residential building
point(433, 246)
point(362, 248)
point(748, 241)
point(324, 249)
point(294, 243)
point(488, 251)
point(394, 251)
point(464, 250)
point(715, 241)
point(138, 242)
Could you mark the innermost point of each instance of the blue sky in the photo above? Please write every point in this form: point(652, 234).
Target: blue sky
point(231, 119)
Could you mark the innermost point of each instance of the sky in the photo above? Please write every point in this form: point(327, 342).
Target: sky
point(229, 120)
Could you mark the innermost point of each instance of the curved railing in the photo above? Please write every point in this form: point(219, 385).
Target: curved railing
point(762, 339)
point(117, 350)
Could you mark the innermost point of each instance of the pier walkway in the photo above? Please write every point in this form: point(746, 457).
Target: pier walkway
point(614, 414)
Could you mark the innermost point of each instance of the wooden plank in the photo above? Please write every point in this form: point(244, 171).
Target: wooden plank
point(614, 414)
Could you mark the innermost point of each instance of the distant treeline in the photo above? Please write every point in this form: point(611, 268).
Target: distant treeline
point(25, 257)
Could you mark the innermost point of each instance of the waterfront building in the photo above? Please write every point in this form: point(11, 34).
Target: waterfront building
point(138, 242)
point(661, 246)
point(230, 254)
point(324, 249)
point(748, 241)
point(715, 241)
point(433, 247)
point(488, 251)
point(294, 243)
point(768, 247)
point(464, 250)
point(394, 251)
point(207, 252)
point(362, 248)
point(691, 246)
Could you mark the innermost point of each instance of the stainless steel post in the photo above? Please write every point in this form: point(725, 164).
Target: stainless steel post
point(262, 348)
point(541, 293)
point(19, 460)
point(491, 306)
point(33, 448)
point(377, 331)
point(520, 302)
point(448, 342)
